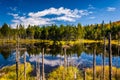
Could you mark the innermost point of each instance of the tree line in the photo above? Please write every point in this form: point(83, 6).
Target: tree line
point(62, 32)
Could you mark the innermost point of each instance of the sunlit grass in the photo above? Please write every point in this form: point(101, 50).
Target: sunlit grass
point(29, 41)
point(62, 73)
point(9, 72)
point(99, 71)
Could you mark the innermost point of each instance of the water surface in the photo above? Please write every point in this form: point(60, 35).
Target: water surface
point(80, 55)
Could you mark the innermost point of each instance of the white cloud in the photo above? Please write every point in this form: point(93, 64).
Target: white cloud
point(38, 18)
point(111, 9)
point(92, 17)
point(59, 11)
point(14, 15)
point(13, 8)
point(32, 21)
point(64, 18)
point(91, 6)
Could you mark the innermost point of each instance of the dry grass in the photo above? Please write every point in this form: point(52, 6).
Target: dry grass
point(28, 41)
point(9, 72)
point(115, 73)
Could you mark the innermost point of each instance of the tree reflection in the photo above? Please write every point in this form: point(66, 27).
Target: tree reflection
point(55, 49)
point(5, 52)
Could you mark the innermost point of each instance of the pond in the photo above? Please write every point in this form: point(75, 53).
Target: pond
point(80, 55)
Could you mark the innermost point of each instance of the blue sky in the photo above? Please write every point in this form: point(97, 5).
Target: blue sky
point(47, 12)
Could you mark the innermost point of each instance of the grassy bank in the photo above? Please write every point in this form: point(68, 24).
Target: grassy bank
point(99, 71)
point(115, 42)
point(70, 73)
point(9, 72)
point(28, 41)
point(60, 73)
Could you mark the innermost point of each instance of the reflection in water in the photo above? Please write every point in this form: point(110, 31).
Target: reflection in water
point(80, 55)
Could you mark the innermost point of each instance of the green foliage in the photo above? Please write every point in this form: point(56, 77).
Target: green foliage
point(22, 31)
point(62, 32)
point(98, 31)
point(80, 31)
point(5, 30)
point(30, 32)
point(44, 33)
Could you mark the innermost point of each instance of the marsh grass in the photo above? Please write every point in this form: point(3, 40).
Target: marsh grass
point(29, 41)
point(115, 73)
point(9, 72)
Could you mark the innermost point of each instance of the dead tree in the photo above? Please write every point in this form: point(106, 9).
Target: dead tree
point(110, 57)
point(103, 57)
point(24, 66)
point(84, 74)
point(60, 57)
point(43, 75)
point(17, 56)
point(17, 64)
point(94, 65)
point(65, 60)
point(118, 55)
point(38, 68)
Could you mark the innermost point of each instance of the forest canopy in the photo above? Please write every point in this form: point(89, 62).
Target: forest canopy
point(62, 32)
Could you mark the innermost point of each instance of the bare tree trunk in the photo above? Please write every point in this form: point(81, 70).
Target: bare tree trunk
point(38, 68)
point(103, 57)
point(17, 57)
point(110, 57)
point(84, 74)
point(61, 57)
point(65, 61)
point(24, 66)
point(117, 58)
point(94, 65)
point(17, 65)
point(75, 76)
point(43, 75)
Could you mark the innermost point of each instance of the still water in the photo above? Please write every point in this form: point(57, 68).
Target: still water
point(80, 55)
